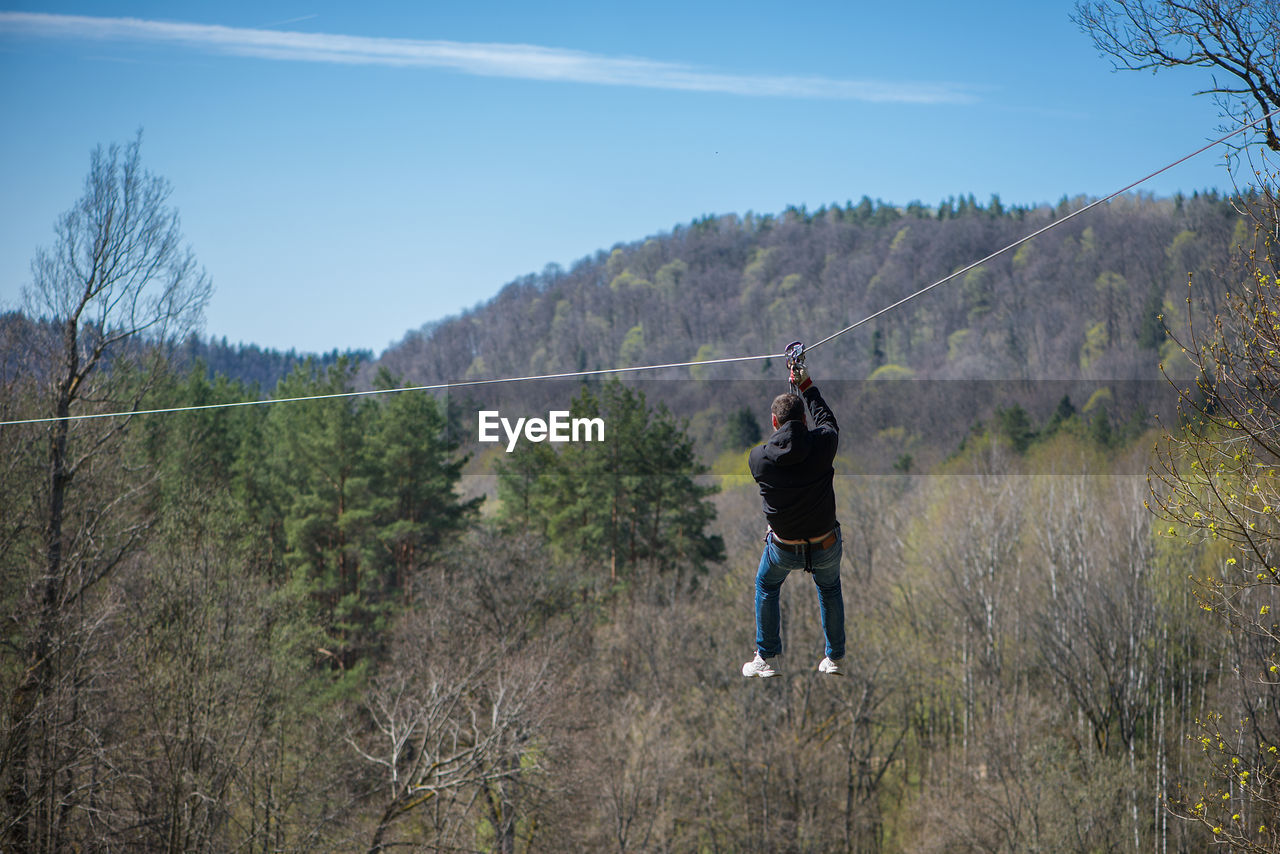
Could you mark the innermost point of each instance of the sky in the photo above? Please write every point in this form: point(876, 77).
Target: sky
point(346, 173)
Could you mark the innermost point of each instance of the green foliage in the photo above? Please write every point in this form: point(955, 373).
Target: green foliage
point(416, 470)
point(633, 349)
point(958, 343)
point(670, 277)
point(630, 502)
point(742, 429)
point(892, 372)
point(899, 242)
point(1096, 341)
point(195, 453)
point(1062, 414)
point(1183, 253)
point(627, 281)
point(1099, 399)
point(325, 468)
point(1015, 426)
point(1100, 429)
point(705, 353)
point(355, 495)
point(977, 289)
point(1151, 331)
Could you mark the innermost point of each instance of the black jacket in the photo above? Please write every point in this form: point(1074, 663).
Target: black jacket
point(795, 474)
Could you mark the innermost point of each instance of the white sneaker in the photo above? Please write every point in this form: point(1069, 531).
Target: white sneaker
point(758, 667)
point(830, 667)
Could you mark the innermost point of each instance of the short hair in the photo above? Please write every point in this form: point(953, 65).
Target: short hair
point(788, 407)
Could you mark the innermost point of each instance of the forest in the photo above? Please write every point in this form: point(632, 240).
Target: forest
point(341, 624)
point(270, 602)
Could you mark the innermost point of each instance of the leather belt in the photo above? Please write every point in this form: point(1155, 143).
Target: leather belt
point(808, 545)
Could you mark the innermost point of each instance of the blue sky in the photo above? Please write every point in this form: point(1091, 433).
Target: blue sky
point(348, 172)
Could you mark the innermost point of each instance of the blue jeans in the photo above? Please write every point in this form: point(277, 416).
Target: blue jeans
point(775, 565)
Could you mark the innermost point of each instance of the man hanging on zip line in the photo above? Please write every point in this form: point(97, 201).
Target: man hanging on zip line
point(795, 474)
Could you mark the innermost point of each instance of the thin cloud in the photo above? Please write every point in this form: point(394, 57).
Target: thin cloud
point(528, 62)
point(288, 21)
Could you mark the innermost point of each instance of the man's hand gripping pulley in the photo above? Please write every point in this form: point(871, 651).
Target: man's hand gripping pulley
point(798, 374)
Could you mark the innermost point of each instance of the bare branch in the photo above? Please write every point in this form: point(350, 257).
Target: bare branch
point(1239, 37)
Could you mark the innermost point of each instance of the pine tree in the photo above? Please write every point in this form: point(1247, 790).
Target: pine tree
point(319, 453)
point(631, 503)
point(416, 470)
point(1015, 425)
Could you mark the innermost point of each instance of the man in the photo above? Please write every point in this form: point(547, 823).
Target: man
point(795, 474)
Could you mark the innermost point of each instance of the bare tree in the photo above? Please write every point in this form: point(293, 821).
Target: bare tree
point(984, 568)
point(639, 765)
point(460, 725)
point(116, 288)
point(1100, 618)
point(453, 731)
point(1095, 626)
point(1235, 38)
point(872, 742)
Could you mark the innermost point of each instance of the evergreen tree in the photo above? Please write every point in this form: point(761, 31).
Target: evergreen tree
point(1100, 428)
point(1151, 331)
point(355, 495)
point(631, 501)
point(319, 452)
point(196, 456)
point(1015, 425)
point(416, 471)
point(742, 429)
point(1064, 411)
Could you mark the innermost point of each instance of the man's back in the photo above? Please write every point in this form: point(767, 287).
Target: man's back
point(795, 473)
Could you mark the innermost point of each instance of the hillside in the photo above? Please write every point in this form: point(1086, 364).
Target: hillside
point(1074, 313)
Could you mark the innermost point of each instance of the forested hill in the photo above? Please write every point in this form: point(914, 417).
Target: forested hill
point(1081, 302)
point(259, 369)
point(256, 367)
point(1077, 302)
point(1072, 317)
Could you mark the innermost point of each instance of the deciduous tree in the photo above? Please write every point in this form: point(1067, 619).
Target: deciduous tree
point(1217, 481)
point(1237, 39)
point(120, 289)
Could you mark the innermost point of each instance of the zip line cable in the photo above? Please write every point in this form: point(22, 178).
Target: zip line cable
point(604, 371)
point(433, 387)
